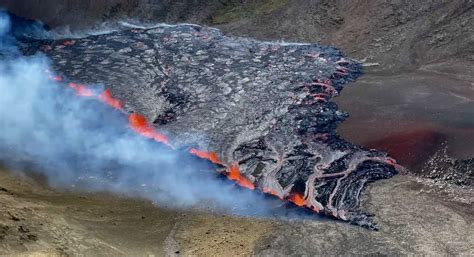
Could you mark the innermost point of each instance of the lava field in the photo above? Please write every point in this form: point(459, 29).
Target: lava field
point(261, 111)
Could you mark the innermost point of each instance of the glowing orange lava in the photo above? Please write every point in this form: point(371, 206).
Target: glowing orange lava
point(297, 199)
point(271, 192)
point(233, 173)
point(80, 89)
point(211, 156)
point(139, 123)
point(107, 98)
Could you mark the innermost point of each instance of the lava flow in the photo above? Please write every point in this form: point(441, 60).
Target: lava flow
point(140, 125)
point(137, 121)
point(297, 199)
point(106, 97)
point(81, 90)
point(234, 174)
point(211, 156)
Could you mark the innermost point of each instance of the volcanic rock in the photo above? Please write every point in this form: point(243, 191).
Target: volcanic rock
point(442, 167)
point(263, 106)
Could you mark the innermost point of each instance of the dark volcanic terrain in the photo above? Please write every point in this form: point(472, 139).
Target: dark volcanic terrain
point(415, 101)
point(264, 108)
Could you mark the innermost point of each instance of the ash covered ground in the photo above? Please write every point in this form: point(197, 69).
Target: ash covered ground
point(259, 105)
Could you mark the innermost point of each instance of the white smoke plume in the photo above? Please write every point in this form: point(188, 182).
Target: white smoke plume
point(80, 142)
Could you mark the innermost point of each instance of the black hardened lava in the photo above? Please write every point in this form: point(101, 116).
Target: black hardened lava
point(264, 106)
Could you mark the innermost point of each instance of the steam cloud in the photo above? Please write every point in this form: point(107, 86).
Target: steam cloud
point(78, 141)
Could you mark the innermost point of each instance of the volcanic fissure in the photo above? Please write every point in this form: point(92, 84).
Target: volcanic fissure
point(260, 111)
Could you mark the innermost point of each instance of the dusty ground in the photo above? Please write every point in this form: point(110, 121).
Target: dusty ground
point(399, 35)
point(413, 218)
point(431, 105)
point(422, 79)
point(35, 219)
point(412, 221)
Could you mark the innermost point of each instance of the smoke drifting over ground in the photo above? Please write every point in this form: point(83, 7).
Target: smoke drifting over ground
point(81, 142)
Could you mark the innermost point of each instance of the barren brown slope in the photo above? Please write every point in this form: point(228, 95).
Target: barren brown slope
point(38, 221)
point(400, 35)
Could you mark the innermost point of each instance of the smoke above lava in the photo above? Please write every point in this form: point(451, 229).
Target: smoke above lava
point(83, 143)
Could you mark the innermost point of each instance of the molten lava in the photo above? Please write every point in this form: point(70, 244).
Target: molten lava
point(271, 192)
point(297, 199)
point(211, 156)
point(81, 90)
point(233, 173)
point(139, 123)
point(107, 98)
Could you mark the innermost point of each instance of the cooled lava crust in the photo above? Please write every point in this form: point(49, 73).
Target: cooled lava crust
point(260, 105)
